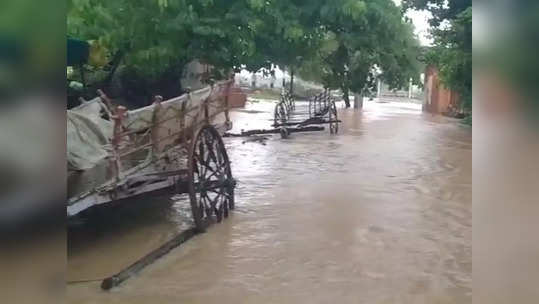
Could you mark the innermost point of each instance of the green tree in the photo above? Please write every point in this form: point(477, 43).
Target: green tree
point(452, 50)
point(286, 36)
point(343, 41)
point(151, 38)
point(364, 38)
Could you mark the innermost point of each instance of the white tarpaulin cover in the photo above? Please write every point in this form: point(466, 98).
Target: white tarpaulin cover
point(88, 136)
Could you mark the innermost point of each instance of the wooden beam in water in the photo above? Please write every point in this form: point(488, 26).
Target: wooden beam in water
point(274, 131)
point(151, 257)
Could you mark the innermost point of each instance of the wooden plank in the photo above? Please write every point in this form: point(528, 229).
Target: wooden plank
point(151, 257)
point(274, 131)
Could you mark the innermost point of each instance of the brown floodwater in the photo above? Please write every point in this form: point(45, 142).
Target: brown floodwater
point(380, 213)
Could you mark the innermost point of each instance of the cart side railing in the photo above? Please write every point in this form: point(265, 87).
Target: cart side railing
point(145, 136)
point(321, 110)
point(149, 146)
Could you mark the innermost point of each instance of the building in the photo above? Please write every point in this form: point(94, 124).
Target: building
point(438, 99)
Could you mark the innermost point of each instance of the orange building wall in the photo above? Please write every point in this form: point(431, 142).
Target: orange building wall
point(438, 99)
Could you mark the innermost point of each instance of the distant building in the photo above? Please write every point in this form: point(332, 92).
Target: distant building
point(438, 99)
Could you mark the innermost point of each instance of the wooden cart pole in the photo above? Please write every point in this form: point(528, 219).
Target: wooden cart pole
point(134, 268)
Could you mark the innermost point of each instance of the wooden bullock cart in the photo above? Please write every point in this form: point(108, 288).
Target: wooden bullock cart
point(175, 145)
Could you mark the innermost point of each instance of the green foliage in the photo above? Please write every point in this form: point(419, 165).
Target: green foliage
point(224, 33)
point(453, 55)
point(452, 49)
point(364, 40)
point(441, 10)
point(340, 43)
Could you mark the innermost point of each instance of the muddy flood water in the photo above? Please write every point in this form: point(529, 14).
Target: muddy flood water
point(380, 213)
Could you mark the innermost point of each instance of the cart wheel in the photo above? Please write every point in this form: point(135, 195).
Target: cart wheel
point(211, 186)
point(280, 114)
point(334, 125)
point(284, 132)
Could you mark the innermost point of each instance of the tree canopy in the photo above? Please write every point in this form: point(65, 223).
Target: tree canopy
point(452, 48)
point(340, 43)
point(364, 40)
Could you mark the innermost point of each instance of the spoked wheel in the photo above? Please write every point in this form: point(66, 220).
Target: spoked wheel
point(290, 101)
point(280, 115)
point(333, 125)
point(211, 186)
point(288, 104)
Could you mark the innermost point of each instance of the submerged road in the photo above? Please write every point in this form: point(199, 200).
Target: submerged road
point(380, 213)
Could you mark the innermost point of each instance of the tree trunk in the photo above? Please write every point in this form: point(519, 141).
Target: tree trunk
point(291, 81)
point(346, 89)
point(82, 78)
point(358, 101)
point(346, 96)
point(115, 63)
